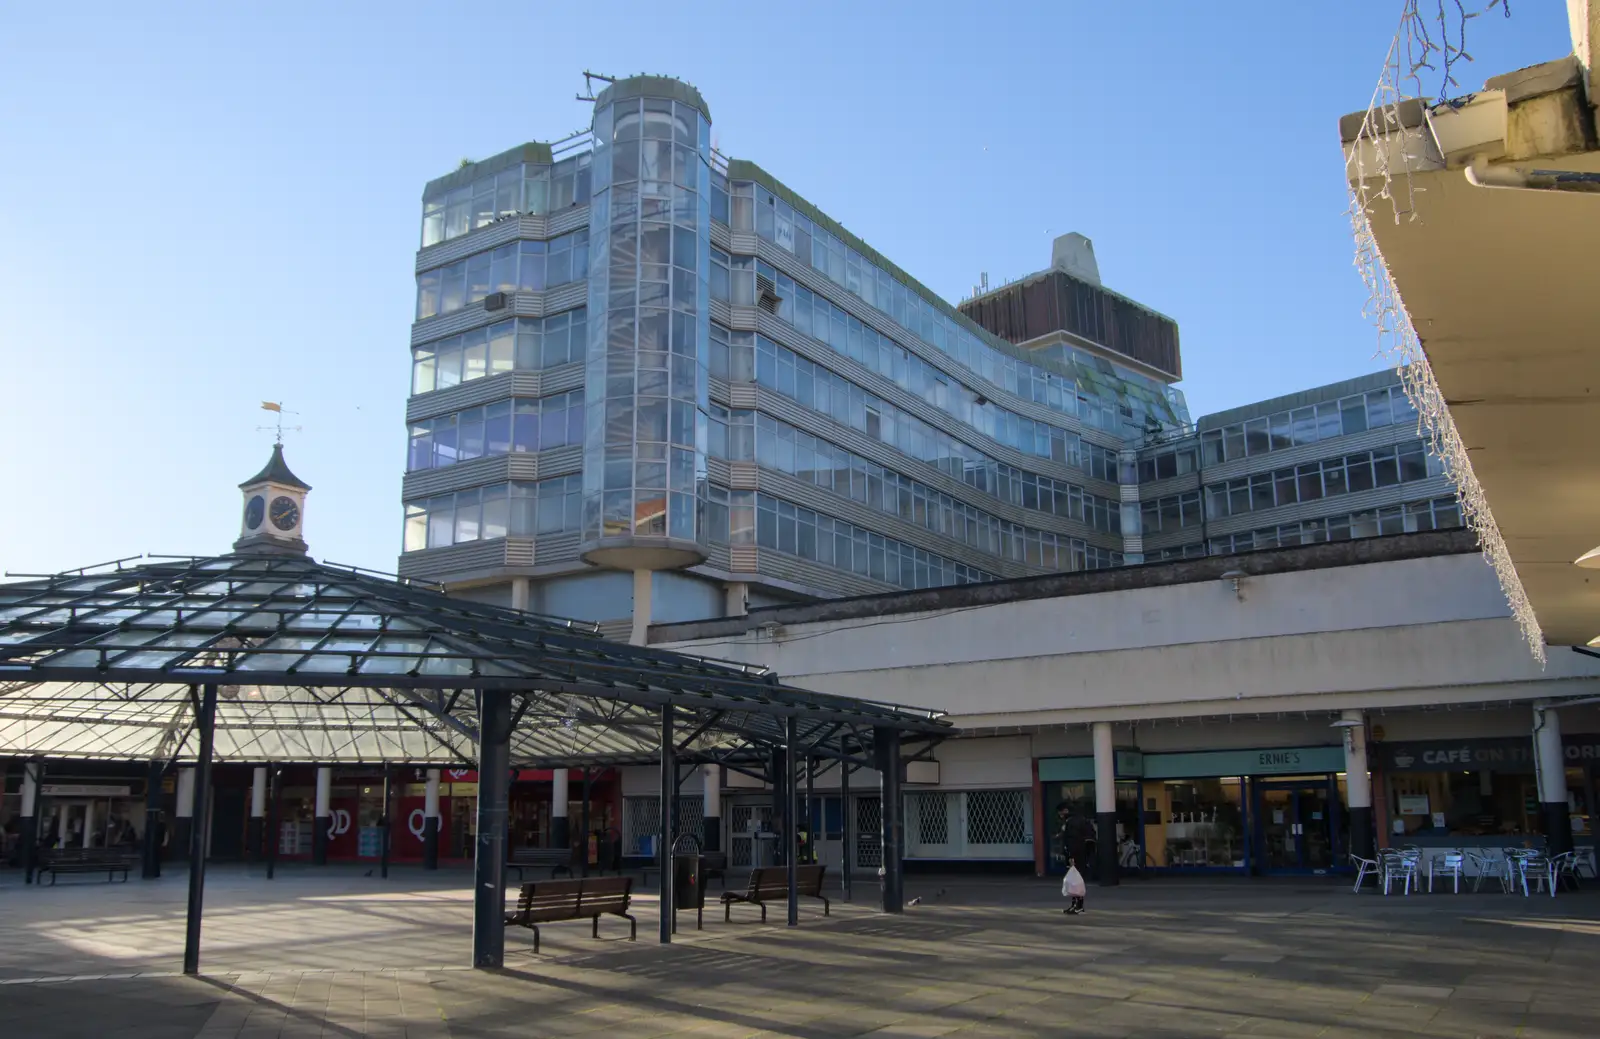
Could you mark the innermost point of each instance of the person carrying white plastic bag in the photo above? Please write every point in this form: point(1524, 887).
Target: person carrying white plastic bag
point(1074, 889)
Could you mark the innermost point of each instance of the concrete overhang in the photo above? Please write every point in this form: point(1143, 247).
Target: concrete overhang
point(1501, 284)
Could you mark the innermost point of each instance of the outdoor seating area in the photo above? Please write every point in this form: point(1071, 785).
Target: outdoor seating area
point(1512, 870)
point(110, 861)
point(587, 898)
point(771, 884)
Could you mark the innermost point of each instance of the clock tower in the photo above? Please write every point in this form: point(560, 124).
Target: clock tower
point(274, 509)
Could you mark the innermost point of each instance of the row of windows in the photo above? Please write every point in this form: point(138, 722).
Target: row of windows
point(820, 390)
point(523, 188)
point(526, 266)
point(521, 424)
point(520, 508)
point(780, 446)
point(752, 207)
point(525, 344)
point(1308, 425)
point(750, 517)
point(1350, 474)
point(1437, 514)
point(819, 318)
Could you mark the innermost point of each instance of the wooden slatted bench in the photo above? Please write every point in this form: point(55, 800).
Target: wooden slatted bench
point(559, 860)
point(109, 861)
point(551, 901)
point(771, 884)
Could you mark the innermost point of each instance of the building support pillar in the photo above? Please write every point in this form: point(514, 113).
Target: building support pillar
point(388, 818)
point(255, 838)
point(886, 746)
point(1357, 783)
point(1552, 762)
point(205, 726)
point(669, 791)
point(711, 777)
point(1105, 806)
point(560, 797)
point(30, 817)
point(736, 599)
point(322, 817)
point(150, 846)
point(430, 821)
point(489, 865)
point(183, 811)
point(642, 590)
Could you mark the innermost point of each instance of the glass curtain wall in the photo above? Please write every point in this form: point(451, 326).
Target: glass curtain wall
point(646, 375)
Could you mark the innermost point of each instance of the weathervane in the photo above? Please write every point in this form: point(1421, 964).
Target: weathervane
point(276, 407)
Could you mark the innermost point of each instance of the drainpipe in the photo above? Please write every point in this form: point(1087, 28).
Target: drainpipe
point(1481, 175)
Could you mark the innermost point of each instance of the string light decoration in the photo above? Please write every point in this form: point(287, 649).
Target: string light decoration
point(1379, 167)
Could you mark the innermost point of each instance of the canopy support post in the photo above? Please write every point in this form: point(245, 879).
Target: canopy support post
point(791, 811)
point(200, 829)
point(669, 798)
point(886, 745)
point(489, 868)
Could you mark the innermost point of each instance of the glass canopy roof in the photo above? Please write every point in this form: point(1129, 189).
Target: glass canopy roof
point(318, 663)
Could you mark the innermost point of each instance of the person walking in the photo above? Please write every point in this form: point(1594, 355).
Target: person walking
point(1073, 887)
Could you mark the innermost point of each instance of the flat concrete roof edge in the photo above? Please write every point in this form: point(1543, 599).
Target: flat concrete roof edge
point(1324, 556)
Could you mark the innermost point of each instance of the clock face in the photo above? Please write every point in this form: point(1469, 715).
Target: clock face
point(284, 512)
point(254, 512)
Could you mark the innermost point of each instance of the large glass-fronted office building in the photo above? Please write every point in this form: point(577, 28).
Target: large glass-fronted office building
point(635, 358)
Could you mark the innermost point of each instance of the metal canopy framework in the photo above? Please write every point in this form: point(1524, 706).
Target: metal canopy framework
point(315, 662)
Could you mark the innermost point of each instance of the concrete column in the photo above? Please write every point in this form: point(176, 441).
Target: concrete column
point(88, 824)
point(711, 776)
point(1358, 784)
point(519, 593)
point(736, 598)
point(30, 818)
point(430, 821)
point(255, 837)
point(642, 587)
point(1105, 806)
point(322, 817)
point(1552, 760)
point(183, 810)
point(560, 794)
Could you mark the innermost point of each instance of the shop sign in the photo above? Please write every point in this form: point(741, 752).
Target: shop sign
point(1279, 761)
point(1066, 770)
point(1494, 753)
point(84, 790)
point(1130, 764)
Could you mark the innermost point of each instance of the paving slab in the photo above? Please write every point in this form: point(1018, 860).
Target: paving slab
point(333, 952)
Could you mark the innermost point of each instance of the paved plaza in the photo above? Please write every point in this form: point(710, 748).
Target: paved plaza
point(339, 953)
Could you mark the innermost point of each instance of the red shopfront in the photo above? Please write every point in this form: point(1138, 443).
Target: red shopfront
point(356, 809)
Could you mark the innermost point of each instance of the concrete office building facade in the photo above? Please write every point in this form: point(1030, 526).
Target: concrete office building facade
point(645, 375)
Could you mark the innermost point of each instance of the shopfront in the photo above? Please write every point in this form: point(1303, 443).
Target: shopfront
point(1481, 792)
point(1277, 810)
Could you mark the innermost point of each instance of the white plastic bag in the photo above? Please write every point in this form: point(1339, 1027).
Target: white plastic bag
point(1072, 885)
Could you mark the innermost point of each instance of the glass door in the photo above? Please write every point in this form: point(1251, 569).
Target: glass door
point(1297, 826)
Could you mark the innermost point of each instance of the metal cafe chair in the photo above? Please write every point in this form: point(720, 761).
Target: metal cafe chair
point(1364, 869)
point(1536, 867)
point(1449, 862)
point(1490, 867)
point(1401, 866)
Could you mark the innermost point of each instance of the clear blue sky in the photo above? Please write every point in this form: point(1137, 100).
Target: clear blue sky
point(212, 205)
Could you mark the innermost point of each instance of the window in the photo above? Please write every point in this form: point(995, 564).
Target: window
point(519, 509)
point(529, 266)
point(522, 424)
point(523, 344)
